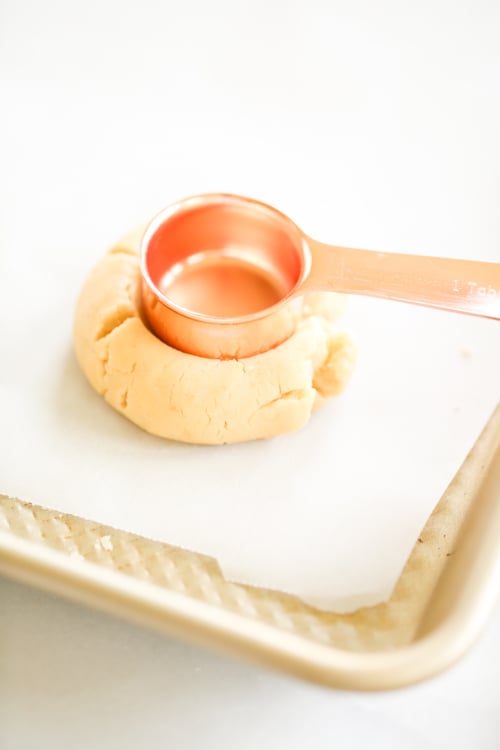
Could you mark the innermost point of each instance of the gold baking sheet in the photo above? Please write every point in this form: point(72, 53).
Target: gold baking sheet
point(442, 599)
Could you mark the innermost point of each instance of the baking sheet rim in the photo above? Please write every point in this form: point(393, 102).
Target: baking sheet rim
point(470, 580)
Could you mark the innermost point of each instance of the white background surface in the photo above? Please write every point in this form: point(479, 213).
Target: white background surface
point(388, 114)
point(70, 678)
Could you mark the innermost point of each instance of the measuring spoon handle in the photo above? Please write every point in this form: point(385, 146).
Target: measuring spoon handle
point(465, 286)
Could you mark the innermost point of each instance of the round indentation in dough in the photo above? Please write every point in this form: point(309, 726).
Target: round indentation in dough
point(193, 399)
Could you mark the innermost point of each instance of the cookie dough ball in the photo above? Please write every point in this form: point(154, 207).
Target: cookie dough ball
point(193, 399)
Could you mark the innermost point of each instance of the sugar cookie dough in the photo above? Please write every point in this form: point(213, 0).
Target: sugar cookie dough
point(194, 399)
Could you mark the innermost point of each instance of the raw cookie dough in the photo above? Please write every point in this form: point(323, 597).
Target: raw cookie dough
point(194, 399)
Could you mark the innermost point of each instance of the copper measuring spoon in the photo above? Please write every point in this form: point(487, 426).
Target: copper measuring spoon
point(223, 276)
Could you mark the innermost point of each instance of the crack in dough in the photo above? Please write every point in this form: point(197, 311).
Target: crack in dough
point(195, 399)
point(113, 321)
point(124, 399)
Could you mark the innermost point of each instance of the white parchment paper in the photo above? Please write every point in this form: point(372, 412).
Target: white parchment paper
point(371, 129)
point(329, 513)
